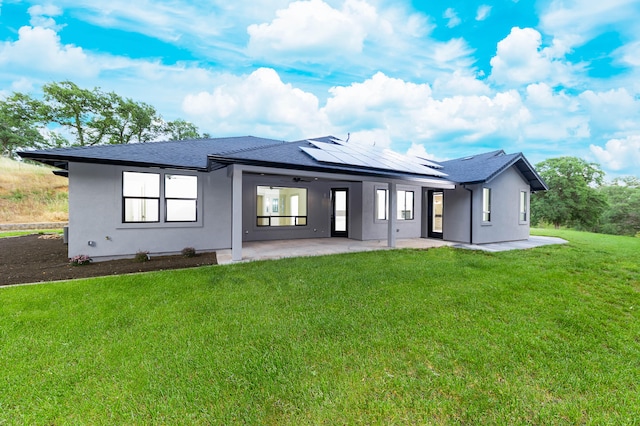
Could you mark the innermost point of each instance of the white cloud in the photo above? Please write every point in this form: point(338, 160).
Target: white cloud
point(380, 138)
point(311, 28)
point(408, 111)
point(167, 21)
point(619, 154)
point(452, 55)
point(361, 104)
point(452, 16)
point(459, 83)
point(418, 150)
point(23, 85)
point(38, 57)
point(629, 54)
point(260, 103)
point(483, 12)
point(555, 116)
point(42, 16)
point(613, 111)
point(542, 95)
point(520, 59)
point(40, 49)
point(573, 22)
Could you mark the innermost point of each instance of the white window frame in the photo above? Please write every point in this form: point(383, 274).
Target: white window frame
point(161, 200)
point(189, 198)
point(523, 209)
point(267, 220)
point(377, 207)
point(402, 204)
point(154, 198)
point(486, 205)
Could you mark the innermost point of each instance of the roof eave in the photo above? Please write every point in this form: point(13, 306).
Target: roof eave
point(320, 169)
point(536, 178)
point(62, 162)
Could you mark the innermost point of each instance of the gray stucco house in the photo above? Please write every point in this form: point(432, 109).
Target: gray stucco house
point(213, 194)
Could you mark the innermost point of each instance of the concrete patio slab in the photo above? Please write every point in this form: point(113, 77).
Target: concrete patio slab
point(265, 250)
point(533, 241)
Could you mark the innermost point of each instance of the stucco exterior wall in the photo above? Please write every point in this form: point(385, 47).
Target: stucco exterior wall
point(505, 224)
point(318, 208)
point(505, 208)
point(375, 229)
point(95, 215)
point(456, 213)
point(96, 226)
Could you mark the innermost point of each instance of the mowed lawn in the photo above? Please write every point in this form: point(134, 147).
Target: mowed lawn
point(543, 336)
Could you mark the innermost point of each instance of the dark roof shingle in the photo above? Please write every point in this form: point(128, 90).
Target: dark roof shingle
point(484, 167)
point(188, 154)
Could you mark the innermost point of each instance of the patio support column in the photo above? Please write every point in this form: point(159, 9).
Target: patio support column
point(236, 213)
point(393, 203)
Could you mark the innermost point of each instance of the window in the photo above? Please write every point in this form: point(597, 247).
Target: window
point(405, 205)
point(180, 197)
point(486, 204)
point(523, 206)
point(382, 204)
point(281, 206)
point(141, 197)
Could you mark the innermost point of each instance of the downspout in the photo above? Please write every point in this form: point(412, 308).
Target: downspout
point(470, 214)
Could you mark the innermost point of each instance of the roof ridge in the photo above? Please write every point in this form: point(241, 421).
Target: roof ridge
point(254, 148)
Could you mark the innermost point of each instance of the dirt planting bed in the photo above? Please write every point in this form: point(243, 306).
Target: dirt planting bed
point(41, 258)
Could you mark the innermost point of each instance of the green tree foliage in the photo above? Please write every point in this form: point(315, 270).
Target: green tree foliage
point(91, 117)
point(78, 110)
point(179, 129)
point(131, 121)
point(20, 119)
point(95, 117)
point(622, 217)
point(573, 198)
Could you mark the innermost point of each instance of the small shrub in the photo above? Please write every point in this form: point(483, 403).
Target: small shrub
point(79, 260)
point(142, 256)
point(189, 252)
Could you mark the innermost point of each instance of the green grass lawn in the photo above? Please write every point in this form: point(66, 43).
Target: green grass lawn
point(18, 233)
point(543, 336)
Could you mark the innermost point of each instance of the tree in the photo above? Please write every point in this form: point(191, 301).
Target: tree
point(20, 120)
point(572, 198)
point(131, 121)
point(82, 111)
point(92, 117)
point(96, 117)
point(180, 129)
point(622, 217)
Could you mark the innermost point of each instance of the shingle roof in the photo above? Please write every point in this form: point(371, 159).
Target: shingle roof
point(484, 167)
point(205, 154)
point(290, 155)
point(187, 154)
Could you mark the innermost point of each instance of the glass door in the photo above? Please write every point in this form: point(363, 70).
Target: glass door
point(436, 210)
point(339, 210)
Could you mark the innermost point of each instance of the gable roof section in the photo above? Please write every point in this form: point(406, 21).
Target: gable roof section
point(483, 168)
point(188, 154)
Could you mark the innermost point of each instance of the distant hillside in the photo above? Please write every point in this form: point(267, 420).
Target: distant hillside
point(31, 193)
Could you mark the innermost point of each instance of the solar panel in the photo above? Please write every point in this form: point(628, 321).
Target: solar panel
point(370, 157)
point(321, 155)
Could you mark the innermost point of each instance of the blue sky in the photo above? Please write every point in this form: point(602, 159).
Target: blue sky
point(442, 79)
